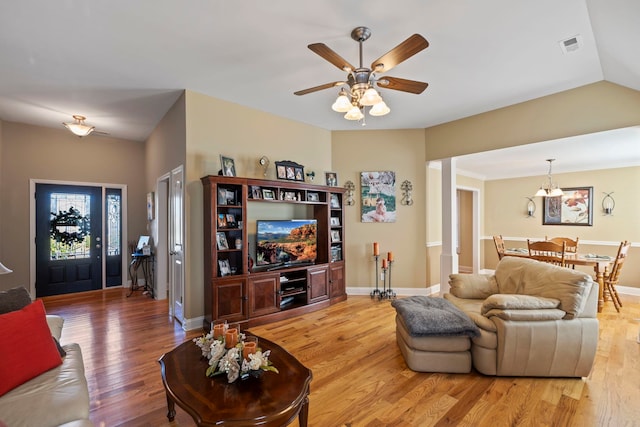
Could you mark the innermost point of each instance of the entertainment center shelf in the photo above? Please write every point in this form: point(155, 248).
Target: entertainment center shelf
point(254, 278)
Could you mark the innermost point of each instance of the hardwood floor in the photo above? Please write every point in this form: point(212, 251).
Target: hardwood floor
point(359, 375)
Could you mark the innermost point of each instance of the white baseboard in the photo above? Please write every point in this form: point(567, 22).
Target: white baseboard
point(192, 324)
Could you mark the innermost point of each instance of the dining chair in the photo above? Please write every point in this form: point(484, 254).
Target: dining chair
point(499, 242)
point(611, 279)
point(571, 245)
point(547, 251)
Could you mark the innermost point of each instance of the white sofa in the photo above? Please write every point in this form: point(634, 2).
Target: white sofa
point(535, 319)
point(58, 397)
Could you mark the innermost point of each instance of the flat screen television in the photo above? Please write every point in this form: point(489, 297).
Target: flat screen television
point(286, 242)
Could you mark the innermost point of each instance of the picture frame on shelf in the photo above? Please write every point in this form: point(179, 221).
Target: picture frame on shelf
point(222, 196)
point(222, 221)
point(574, 207)
point(231, 220)
point(290, 195)
point(231, 197)
point(267, 194)
point(225, 268)
point(335, 236)
point(331, 179)
point(289, 171)
point(256, 192)
point(335, 221)
point(227, 165)
point(313, 197)
point(336, 253)
point(221, 240)
point(335, 202)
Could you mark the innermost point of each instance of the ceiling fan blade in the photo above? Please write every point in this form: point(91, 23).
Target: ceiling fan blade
point(395, 83)
point(317, 88)
point(327, 53)
point(402, 52)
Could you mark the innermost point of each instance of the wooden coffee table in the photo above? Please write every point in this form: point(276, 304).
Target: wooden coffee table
point(271, 400)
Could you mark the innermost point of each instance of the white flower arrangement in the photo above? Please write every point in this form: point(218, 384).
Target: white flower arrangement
point(230, 361)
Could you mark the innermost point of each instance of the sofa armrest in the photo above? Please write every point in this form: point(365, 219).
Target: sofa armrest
point(55, 323)
point(517, 302)
point(472, 286)
point(526, 315)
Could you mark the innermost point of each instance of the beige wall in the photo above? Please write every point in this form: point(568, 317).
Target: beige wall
point(587, 109)
point(32, 152)
point(400, 151)
point(215, 127)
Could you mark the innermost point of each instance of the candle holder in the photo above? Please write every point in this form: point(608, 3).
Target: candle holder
point(383, 294)
point(376, 291)
point(389, 293)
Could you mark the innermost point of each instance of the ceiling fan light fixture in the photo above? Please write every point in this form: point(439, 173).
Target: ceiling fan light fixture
point(354, 113)
point(370, 97)
point(380, 109)
point(78, 127)
point(342, 104)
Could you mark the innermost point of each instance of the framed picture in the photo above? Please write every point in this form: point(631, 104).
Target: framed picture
point(313, 197)
point(335, 221)
point(336, 253)
point(335, 202)
point(222, 221)
point(231, 220)
point(222, 196)
point(378, 196)
point(289, 195)
point(231, 197)
point(331, 179)
point(256, 192)
point(267, 194)
point(290, 171)
point(225, 269)
point(228, 166)
point(221, 240)
point(335, 236)
point(574, 207)
point(150, 206)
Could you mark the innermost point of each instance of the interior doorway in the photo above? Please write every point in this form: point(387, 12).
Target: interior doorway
point(468, 245)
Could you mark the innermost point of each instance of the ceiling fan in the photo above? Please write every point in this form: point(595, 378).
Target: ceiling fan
point(361, 80)
point(79, 128)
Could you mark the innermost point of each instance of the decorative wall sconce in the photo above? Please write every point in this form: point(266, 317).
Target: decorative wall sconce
point(608, 204)
point(350, 187)
point(531, 207)
point(311, 175)
point(406, 188)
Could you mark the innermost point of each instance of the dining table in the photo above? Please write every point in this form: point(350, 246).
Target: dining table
point(601, 266)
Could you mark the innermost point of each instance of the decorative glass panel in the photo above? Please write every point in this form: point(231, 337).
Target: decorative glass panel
point(70, 224)
point(113, 224)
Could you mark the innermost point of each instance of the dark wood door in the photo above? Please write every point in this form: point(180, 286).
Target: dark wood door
point(317, 284)
point(230, 299)
point(336, 279)
point(263, 295)
point(68, 239)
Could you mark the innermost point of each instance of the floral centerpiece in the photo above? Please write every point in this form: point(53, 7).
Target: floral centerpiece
point(236, 361)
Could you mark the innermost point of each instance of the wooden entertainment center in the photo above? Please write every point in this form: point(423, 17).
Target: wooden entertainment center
point(237, 289)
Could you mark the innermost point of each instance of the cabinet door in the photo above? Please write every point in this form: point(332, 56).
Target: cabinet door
point(317, 284)
point(336, 279)
point(263, 295)
point(229, 300)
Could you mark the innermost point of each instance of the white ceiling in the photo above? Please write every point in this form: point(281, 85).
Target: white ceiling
point(123, 63)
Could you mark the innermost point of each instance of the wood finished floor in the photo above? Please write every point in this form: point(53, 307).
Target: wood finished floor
point(359, 376)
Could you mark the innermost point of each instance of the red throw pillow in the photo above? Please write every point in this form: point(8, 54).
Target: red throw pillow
point(27, 348)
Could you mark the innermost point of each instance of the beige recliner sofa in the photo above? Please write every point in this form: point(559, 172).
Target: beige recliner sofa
point(535, 319)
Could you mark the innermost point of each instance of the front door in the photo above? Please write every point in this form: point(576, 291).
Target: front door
point(68, 239)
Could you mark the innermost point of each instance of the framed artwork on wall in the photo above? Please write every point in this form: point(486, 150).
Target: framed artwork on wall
point(574, 207)
point(378, 196)
point(290, 171)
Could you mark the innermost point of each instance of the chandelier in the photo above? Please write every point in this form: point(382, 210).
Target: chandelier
point(549, 188)
point(78, 127)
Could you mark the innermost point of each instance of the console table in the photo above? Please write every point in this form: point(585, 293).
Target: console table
point(144, 262)
point(271, 400)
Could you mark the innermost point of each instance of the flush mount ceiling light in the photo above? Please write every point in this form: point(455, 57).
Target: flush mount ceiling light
point(78, 127)
point(549, 188)
point(358, 91)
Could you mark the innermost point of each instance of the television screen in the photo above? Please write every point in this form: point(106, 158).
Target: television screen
point(286, 241)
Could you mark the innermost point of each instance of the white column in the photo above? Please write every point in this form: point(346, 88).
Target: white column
point(449, 255)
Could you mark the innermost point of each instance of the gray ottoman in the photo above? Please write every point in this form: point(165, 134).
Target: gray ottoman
point(434, 354)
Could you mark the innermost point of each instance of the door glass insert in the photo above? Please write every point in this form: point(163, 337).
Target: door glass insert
point(70, 224)
point(113, 224)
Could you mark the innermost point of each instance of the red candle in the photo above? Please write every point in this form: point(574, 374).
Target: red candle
point(249, 348)
point(390, 256)
point(218, 330)
point(231, 338)
point(376, 249)
point(384, 263)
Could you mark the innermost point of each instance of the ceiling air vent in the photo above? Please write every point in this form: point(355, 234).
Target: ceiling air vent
point(571, 44)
